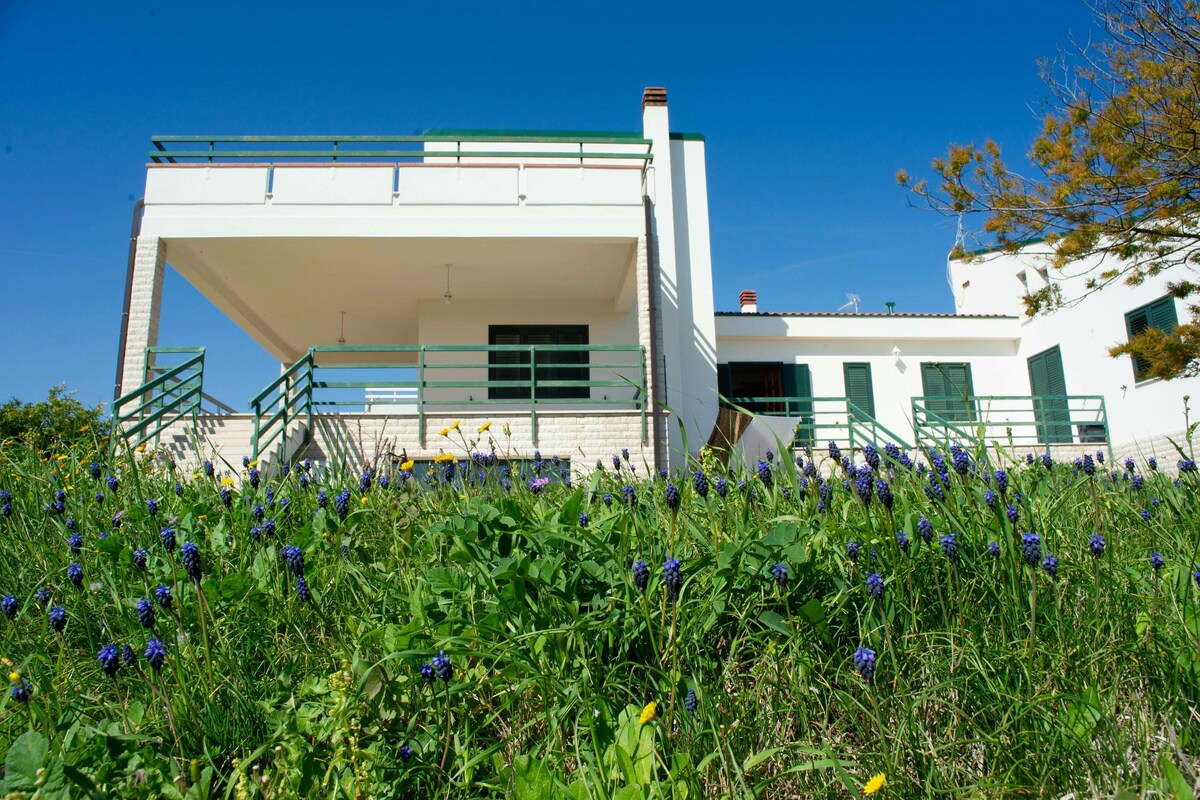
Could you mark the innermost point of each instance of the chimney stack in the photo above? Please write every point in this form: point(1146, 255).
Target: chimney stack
point(654, 96)
point(749, 301)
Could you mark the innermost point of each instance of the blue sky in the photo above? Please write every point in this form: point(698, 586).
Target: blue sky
point(808, 111)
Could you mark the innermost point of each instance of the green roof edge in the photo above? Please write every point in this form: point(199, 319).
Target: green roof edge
point(509, 132)
point(687, 137)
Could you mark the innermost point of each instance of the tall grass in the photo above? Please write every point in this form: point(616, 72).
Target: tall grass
point(991, 676)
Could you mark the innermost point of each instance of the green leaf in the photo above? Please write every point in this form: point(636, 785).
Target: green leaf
point(25, 757)
point(759, 757)
point(775, 622)
point(1174, 782)
point(532, 779)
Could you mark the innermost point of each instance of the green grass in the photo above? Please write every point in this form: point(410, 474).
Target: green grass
point(992, 677)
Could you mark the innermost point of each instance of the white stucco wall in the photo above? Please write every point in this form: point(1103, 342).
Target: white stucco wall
point(1139, 413)
point(467, 323)
point(696, 400)
point(826, 343)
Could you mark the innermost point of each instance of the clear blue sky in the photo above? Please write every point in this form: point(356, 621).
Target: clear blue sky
point(808, 110)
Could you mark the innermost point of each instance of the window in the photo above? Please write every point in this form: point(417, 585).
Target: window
point(948, 390)
point(1159, 314)
point(858, 387)
point(564, 365)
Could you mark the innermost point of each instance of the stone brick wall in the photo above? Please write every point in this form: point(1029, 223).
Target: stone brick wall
point(144, 307)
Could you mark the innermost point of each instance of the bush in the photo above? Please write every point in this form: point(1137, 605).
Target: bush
point(59, 421)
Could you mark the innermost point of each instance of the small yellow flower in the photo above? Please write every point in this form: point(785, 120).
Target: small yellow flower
point(649, 712)
point(60, 458)
point(202, 516)
point(253, 463)
point(875, 784)
point(195, 475)
point(14, 676)
point(407, 465)
point(444, 457)
point(485, 426)
point(362, 500)
point(85, 428)
point(227, 481)
point(141, 448)
point(506, 430)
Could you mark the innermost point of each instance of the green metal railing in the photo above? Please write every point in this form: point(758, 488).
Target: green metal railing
point(210, 149)
point(1030, 420)
point(166, 395)
point(821, 420)
point(301, 392)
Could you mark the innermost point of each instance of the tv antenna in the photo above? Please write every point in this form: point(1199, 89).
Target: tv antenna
point(851, 300)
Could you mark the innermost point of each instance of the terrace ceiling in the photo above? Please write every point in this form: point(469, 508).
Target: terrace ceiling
point(287, 293)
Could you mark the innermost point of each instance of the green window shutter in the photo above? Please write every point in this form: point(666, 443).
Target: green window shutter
point(1162, 314)
point(859, 390)
point(724, 380)
point(1159, 314)
point(797, 383)
point(950, 387)
point(1050, 406)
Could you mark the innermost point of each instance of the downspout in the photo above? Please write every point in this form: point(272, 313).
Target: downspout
point(655, 373)
point(134, 231)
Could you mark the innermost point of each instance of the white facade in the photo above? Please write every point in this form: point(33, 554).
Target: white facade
point(441, 245)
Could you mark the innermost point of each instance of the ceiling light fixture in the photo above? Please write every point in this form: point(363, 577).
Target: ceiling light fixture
point(447, 297)
point(342, 334)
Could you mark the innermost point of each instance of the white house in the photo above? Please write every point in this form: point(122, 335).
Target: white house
point(559, 285)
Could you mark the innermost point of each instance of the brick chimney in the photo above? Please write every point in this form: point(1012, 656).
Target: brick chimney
point(749, 301)
point(654, 96)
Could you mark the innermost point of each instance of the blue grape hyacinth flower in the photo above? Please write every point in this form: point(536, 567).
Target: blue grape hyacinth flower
point(145, 611)
point(902, 541)
point(58, 618)
point(852, 550)
point(691, 702)
point(1157, 561)
point(780, 573)
point(163, 595)
point(641, 575)
point(993, 549)
point(110, 659)
point(672, 577)
point(1031, 548)
point(442, 666)
point(864, 662)
point(11, 605)
point(1050, 565)
point(875, 586)
point(156, 653)
point(191, 561)
point(950, 546)
point(1097, 544)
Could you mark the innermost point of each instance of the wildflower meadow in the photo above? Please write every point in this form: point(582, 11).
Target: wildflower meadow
point(961, 623)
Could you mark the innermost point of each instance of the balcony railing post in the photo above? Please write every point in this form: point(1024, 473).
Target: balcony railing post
point(533, 421)
point(421, 396)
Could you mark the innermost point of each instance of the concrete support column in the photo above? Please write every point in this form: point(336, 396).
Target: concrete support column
point(650, 338)
point(144, 306)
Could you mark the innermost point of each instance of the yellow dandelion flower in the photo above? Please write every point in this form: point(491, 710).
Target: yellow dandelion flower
point(70, 487)
point(227, 481)
point(85, 428)
point(195, 475)
point(253, 463)
point(407, 465)
point(5, 662)
point(202, 516)
point(485, 427)
point(141, 448)
point(60, 458)
point(444, 457)
point(14, 676)
point(649, 712)
point(875, 784)
point(362, 500)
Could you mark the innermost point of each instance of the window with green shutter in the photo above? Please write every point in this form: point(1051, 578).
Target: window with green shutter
point(859, 390)
point(1159, 314)
point(1050, 405)
point(948, 389)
